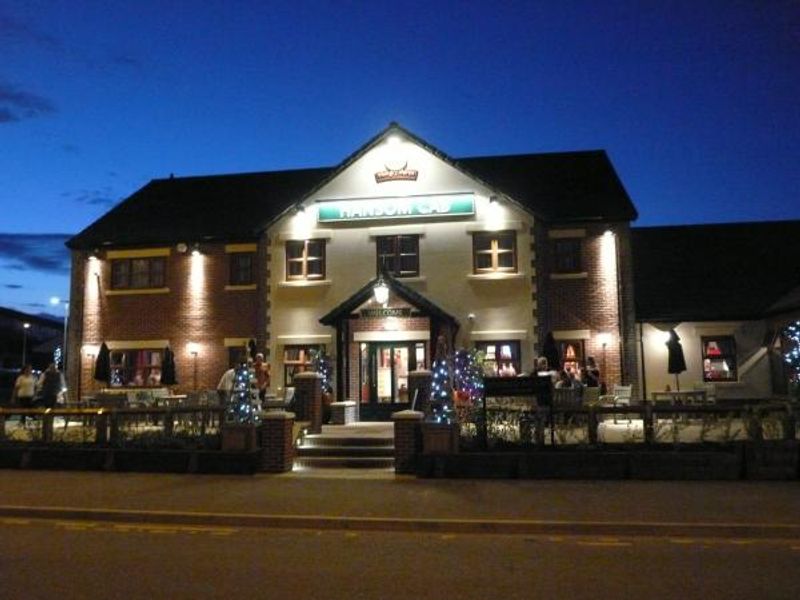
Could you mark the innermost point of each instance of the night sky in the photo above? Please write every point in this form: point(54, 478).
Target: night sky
point(696, 102)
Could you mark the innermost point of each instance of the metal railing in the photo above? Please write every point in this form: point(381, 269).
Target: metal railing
point(513, 423)
point(163, 427)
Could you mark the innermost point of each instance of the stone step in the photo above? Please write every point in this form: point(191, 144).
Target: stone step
point(326, 440)
point(352, 451)
point(344, 462)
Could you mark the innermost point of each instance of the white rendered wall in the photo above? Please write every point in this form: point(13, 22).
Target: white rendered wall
point(445, 248)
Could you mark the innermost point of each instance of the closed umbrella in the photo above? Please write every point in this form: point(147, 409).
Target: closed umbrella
point(168, 368)
point(251, 346)
point(550, 352)
point(102, 364)
point(676, 363)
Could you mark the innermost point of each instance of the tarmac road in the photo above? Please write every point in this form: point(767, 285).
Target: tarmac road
point(98, 560)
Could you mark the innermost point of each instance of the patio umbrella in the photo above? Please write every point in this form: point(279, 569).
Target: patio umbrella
point(168, 368)
point(676, 363)
point(102, 364)
point(550, 352)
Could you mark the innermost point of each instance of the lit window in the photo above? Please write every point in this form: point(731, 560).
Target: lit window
point(305, 259)
point(495, 252)
point(297, 359)
point(138, 273)
point(135, 367)
point(501, 359)
point(567, 255)
point(398, 255)
point(241, 268)
point(719, 358)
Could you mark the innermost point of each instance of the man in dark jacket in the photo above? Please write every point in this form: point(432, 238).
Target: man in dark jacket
point(51, 384)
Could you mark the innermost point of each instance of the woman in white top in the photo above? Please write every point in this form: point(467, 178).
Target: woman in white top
point(24, 389)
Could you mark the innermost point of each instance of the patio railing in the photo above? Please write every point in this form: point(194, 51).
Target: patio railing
point(512, 423)
point(163, 427)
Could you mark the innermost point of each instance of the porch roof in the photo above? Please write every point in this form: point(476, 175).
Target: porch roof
point(345, 309)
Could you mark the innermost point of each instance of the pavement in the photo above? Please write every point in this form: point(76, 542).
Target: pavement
point(382, 501)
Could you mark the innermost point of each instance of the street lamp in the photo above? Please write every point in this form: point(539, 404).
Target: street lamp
point(25, 327)
point(54, 301)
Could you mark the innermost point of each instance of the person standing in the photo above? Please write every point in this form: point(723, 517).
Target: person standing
point(24, 390)
point(262, 375)
point(591, 374)
point(225, 385)
point(51, 384)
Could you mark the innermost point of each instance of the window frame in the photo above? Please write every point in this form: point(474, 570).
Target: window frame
point(235, 268)
point(304, 260)
point(396, 255)
point(123, 268)
point(729, 358)
point(293, 366)
point(495, 251)
point(568, 255)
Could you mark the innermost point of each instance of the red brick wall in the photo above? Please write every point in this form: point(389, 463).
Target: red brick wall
point(592, 302)
point(204, 313)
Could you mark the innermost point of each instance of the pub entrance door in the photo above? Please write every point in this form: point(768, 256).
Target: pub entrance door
point(384, 369)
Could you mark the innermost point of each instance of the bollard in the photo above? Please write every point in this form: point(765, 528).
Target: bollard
point(47, 426)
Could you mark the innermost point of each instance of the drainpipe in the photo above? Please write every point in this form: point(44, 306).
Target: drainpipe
point(641, 353)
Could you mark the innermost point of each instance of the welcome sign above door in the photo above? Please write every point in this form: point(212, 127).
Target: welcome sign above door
point(407, 207)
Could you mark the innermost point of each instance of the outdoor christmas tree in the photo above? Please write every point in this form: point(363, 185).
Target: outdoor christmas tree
point(243, 396)
point(792, 356)
point(468, 376)
point(321, 363)
point(441, 392)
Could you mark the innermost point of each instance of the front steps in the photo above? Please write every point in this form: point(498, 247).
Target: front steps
point(356, 446)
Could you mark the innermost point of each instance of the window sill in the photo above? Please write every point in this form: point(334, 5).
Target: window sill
point(304, 283)
point(417, 279)
point(137, 292)
point(495, 276)
point(557, 276)
point(240, 288)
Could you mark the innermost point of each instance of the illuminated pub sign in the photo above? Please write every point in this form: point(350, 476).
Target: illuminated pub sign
point(443, 205)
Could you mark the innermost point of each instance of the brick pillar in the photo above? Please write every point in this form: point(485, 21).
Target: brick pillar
point(407, 440)
point(277, 443)
point(421, 380)
point(308, 399)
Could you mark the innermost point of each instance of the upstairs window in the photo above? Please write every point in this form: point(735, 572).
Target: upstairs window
point(719, 358)
point(567, 255)
point(241, 268)
point(138, 273)
point(398, 255)
point(495, 252)
point(305, 260)
point(501, 358)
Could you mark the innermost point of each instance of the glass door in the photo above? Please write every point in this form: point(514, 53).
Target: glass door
point(384, 373)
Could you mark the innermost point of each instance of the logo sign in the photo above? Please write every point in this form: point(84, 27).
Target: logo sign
point(402, 173)
point(414, 207)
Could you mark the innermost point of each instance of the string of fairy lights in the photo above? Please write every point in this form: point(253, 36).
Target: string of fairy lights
point(792, 356)
point(243, 396)
point(461, 376)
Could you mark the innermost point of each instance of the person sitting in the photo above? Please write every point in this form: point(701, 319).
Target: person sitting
point(591, 374)
point(564, 380)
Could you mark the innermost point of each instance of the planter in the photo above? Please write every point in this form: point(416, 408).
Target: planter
point(440, 438)
point(687, 464)
point(152, 461)
point(239, 437)
point(777, 461)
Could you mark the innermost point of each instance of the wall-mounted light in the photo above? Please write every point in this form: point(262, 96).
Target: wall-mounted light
point(299, 209)
point(393, 140)
point(196, 249)
point(604, 339)
point(492, 200)
point(94, 255)
point(193, 348)
point(608, 233)
point(381, 291)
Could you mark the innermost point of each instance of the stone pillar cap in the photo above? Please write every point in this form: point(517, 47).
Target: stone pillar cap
point(408, 415)
point(275, 415)
point(308, 375)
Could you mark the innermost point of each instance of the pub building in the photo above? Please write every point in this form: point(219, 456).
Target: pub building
point(374, 261)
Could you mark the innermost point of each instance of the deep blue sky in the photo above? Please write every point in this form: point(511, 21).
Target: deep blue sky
point(695, 101)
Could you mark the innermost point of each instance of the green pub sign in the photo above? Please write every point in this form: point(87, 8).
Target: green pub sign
point(363, 209)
